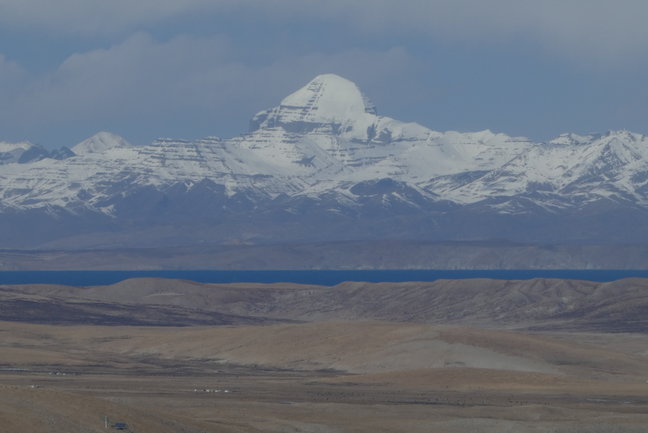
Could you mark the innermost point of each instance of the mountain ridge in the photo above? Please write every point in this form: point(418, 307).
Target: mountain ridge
point(325, 160)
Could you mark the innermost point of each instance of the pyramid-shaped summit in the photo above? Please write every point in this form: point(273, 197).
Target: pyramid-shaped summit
point(327, 101)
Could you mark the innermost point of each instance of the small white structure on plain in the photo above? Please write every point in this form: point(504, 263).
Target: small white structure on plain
point(210, 390)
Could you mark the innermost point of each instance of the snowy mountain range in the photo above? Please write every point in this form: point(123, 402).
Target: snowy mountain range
point(324, 165)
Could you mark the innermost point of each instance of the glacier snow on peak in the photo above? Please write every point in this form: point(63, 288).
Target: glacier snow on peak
point(100, 142)
point(11, 152)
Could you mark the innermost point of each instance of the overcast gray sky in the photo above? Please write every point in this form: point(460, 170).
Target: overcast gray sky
point(192, 68)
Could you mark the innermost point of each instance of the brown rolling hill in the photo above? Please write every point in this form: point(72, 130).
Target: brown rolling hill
point(541, 304)
point(535, 356)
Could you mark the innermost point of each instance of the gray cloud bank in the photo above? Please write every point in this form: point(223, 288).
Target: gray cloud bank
point(613, 30)
point(182, 82)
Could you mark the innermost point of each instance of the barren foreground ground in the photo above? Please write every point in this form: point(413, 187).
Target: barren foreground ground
point(320, 376)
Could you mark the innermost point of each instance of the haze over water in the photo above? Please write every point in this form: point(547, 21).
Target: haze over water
point(317, 277)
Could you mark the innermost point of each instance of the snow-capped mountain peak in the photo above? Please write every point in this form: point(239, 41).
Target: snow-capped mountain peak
point(324, 151)
point(11, 152)
point(327, 100)
point(10, 147)
point(25, 152)
point(569, 139)
point(100, 142)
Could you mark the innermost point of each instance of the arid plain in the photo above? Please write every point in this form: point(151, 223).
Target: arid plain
point(449, 356)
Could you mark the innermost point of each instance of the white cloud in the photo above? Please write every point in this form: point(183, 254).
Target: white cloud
point(12, 82)
point(600, 30)
point(596, 30)
point(182, 79)
point(92, 16)
point(10, 72)
point(136, 78)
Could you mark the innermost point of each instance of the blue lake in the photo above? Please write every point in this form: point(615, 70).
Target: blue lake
point(326, 278)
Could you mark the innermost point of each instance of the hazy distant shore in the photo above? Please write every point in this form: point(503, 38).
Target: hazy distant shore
point(338, 255)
